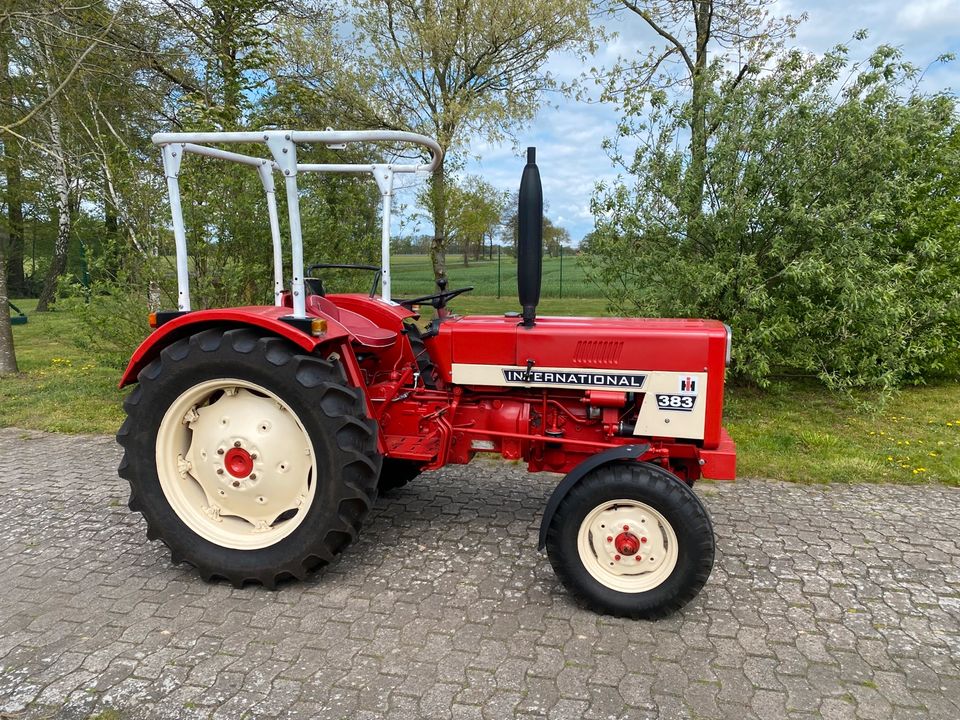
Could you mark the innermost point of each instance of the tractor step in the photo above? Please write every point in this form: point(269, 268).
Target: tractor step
point(413, 447)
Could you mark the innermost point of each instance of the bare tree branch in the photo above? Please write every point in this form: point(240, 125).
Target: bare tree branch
point(666, 34)
point(55, 92)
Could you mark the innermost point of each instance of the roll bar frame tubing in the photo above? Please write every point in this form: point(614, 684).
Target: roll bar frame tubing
point(282, 145)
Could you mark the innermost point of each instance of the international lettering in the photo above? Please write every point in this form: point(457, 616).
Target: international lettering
point(564, 377)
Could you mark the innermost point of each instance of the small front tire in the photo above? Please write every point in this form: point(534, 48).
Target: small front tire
point(631, 540)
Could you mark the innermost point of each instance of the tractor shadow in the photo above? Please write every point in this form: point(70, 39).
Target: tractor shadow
point(463, 529)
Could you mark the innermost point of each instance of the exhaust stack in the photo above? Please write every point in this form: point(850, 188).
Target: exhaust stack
point(529, 238)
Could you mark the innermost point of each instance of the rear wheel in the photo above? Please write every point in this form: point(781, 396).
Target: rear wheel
point(250, 461)
point(632, 540)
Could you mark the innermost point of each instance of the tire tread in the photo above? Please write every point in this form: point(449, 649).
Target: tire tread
point(659, 481)
point(359, 466)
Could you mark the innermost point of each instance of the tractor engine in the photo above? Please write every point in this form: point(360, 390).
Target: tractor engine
point(554, 393)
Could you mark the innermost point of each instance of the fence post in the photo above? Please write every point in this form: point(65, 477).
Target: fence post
point(561, 271)
point(498, 272)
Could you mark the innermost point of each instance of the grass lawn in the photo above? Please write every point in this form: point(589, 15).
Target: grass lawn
point(60, 388)
point(799, 432)
point(794, 432)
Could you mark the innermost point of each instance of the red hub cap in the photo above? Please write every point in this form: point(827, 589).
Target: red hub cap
point(238, 462)
point(627, 543)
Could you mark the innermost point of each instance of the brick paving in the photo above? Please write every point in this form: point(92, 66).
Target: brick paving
point(826, 602)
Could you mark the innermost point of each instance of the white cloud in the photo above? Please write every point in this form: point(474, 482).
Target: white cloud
point(929, 14)
point(568, 138)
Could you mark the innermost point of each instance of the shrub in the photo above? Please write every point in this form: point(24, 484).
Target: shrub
point(830, 236)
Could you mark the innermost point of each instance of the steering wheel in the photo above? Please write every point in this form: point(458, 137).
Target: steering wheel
point(437, 300)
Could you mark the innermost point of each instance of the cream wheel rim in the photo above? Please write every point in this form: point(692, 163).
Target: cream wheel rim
point(236, 464)
point(627, 546)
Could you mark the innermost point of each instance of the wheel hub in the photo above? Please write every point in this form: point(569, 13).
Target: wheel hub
point(244, 464)
point(238, 462)
point(627, 543)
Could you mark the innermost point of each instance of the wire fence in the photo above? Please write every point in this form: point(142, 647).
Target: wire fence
point(563, 275)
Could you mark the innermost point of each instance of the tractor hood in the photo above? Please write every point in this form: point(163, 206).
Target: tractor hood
point(663, 358)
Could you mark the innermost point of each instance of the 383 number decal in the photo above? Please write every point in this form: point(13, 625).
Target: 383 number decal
point(683, 403)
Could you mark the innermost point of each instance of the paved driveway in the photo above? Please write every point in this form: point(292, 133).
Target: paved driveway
point(827, 602)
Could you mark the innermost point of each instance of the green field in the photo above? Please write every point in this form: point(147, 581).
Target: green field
point(796, 432)
point(413, 275)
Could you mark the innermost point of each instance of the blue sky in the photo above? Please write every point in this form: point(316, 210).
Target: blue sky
point(568, 136)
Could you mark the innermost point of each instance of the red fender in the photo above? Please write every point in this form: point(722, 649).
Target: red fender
point(265, 317)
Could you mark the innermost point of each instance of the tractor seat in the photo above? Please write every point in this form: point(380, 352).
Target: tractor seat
point(365, 331)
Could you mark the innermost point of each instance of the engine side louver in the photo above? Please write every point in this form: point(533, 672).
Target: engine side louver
point(595, 353)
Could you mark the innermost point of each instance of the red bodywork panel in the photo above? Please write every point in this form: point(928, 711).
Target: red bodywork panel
point(265, 317)
point(672, 345)
point(551, 428)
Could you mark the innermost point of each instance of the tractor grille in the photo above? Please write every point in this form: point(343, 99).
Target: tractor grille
point(597, 352)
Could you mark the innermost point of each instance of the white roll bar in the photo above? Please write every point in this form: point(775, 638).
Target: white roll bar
point(282, 145)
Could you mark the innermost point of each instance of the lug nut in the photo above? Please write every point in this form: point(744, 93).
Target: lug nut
point(236, 483)
point(236, 443)
point(609, 538)
point(643, 539)
point(219, 471)
point(253, 476)
point(219, 451)
point(626, 528)
point(616, 557)
point(253, 456)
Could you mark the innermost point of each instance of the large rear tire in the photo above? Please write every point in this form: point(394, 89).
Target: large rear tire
point(249, 460)
point(631, 540)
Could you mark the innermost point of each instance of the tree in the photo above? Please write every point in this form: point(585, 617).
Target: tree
point(830, 236)
point(12, 170)
point(475, 208)
point(8, 358)
point(55, 48)
point(554, 236)
point(700, 38)
point(456, 70)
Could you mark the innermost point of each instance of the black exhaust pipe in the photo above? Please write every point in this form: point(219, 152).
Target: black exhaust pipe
point(529, 238)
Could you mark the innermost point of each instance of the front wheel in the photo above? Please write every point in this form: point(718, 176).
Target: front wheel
point(632, 540)
point(251, 461)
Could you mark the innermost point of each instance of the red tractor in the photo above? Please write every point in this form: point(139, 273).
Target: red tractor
point(258, 438)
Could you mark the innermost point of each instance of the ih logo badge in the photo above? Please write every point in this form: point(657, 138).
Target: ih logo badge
point(685, 398)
